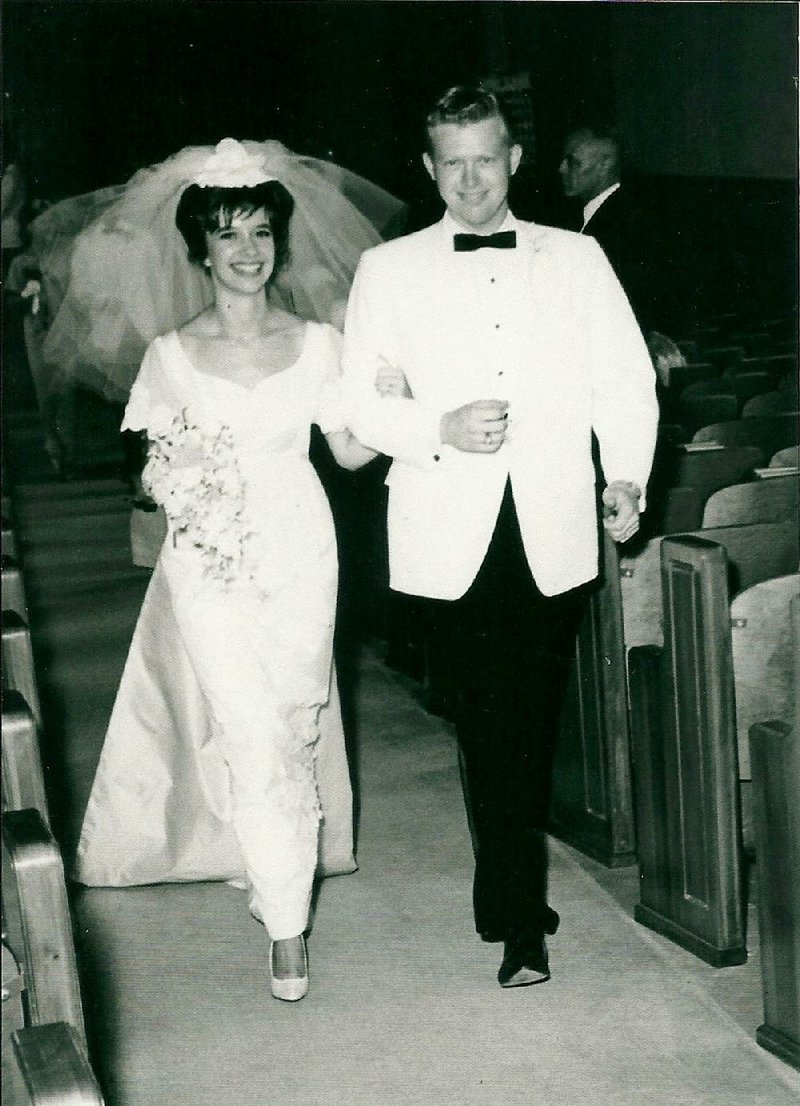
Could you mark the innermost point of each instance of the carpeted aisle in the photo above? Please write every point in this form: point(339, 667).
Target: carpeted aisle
point(404, 1009)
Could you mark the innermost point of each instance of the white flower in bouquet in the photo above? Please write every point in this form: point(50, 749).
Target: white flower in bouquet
point(193, 473)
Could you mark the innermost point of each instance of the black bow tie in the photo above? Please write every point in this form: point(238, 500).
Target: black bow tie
point(503, 240)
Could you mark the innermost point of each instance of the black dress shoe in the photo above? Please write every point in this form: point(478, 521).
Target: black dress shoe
point(550, 920)
point(524, 962)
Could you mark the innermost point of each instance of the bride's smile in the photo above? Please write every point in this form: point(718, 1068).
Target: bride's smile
point(241, 254)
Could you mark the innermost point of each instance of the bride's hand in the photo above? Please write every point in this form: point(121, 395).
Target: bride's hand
point(391, 381)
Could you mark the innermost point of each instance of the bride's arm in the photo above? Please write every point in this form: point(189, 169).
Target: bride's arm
point(348, 450)
point(345, 447)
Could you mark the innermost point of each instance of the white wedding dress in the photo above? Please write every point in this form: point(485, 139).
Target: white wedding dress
point(224, 757)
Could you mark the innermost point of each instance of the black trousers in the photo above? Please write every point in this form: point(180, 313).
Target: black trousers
point(504, 650)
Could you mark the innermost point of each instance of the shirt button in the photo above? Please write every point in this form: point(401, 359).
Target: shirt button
point(491, 280)
point(497, 326)
point(500, 373)
point(436, 457)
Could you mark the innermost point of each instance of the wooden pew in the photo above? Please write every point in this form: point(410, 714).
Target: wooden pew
point(53, 1067)
point(18, 668)
point(23, 780)
point(592, 806)
point(640, 574)
point(775, 760)
point(37, 921)
point(760, 642)
point(683, 734)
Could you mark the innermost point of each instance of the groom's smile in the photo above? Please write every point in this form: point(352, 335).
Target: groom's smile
point(471, 164)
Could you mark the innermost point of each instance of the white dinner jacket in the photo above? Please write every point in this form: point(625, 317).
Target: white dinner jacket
point(560, 344)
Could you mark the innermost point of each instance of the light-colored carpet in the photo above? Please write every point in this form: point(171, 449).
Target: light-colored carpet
point(404, 1009)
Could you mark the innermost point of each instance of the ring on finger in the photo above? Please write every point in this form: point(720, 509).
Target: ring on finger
point(488, 436)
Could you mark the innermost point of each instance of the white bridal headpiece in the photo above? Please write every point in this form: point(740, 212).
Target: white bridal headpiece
point(115, 269)
point(231, 166)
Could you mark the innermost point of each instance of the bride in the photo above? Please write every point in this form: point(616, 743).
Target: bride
point(227, 699)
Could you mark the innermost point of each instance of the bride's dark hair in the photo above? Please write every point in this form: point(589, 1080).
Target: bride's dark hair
point(202, 211)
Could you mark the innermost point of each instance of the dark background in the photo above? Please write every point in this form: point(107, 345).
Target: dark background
point(705, 94)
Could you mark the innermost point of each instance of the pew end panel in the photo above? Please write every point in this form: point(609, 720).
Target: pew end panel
point(23, 780)
point(18, 666)
point(592, 808)
point(38, 922)
point(13, 588)
point(53, 1067)
point(775, 759)
point(683, 722)
point(9, 545)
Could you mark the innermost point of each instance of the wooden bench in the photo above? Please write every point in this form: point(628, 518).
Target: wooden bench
point(592, 791)
point(23, 779)
point(37, 921)
point(683, 732)
point(775, 761)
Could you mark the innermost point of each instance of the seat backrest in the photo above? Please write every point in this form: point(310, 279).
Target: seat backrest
point(767, 434)
point(788, 458)
point(772, 500)
point(708, 470)
point(763, 666)
point(775, 402)
point(724, 358)
point(776, 364)
point(708, 386)
point(681, 376)
point(747, 385)
point(695, 411)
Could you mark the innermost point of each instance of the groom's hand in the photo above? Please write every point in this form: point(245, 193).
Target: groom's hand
point(478, 427)
point(621, 509)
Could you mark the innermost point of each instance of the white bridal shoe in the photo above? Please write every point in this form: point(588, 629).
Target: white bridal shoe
point(294, 987)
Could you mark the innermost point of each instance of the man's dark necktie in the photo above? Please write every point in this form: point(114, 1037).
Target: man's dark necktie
point(503, 240)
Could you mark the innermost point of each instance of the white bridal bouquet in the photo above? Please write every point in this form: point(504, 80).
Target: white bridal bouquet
point(193, 473)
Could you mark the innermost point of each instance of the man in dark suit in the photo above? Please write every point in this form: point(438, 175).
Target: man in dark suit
point(590, 172)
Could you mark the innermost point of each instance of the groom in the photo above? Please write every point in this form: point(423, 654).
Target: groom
point(516, 342)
